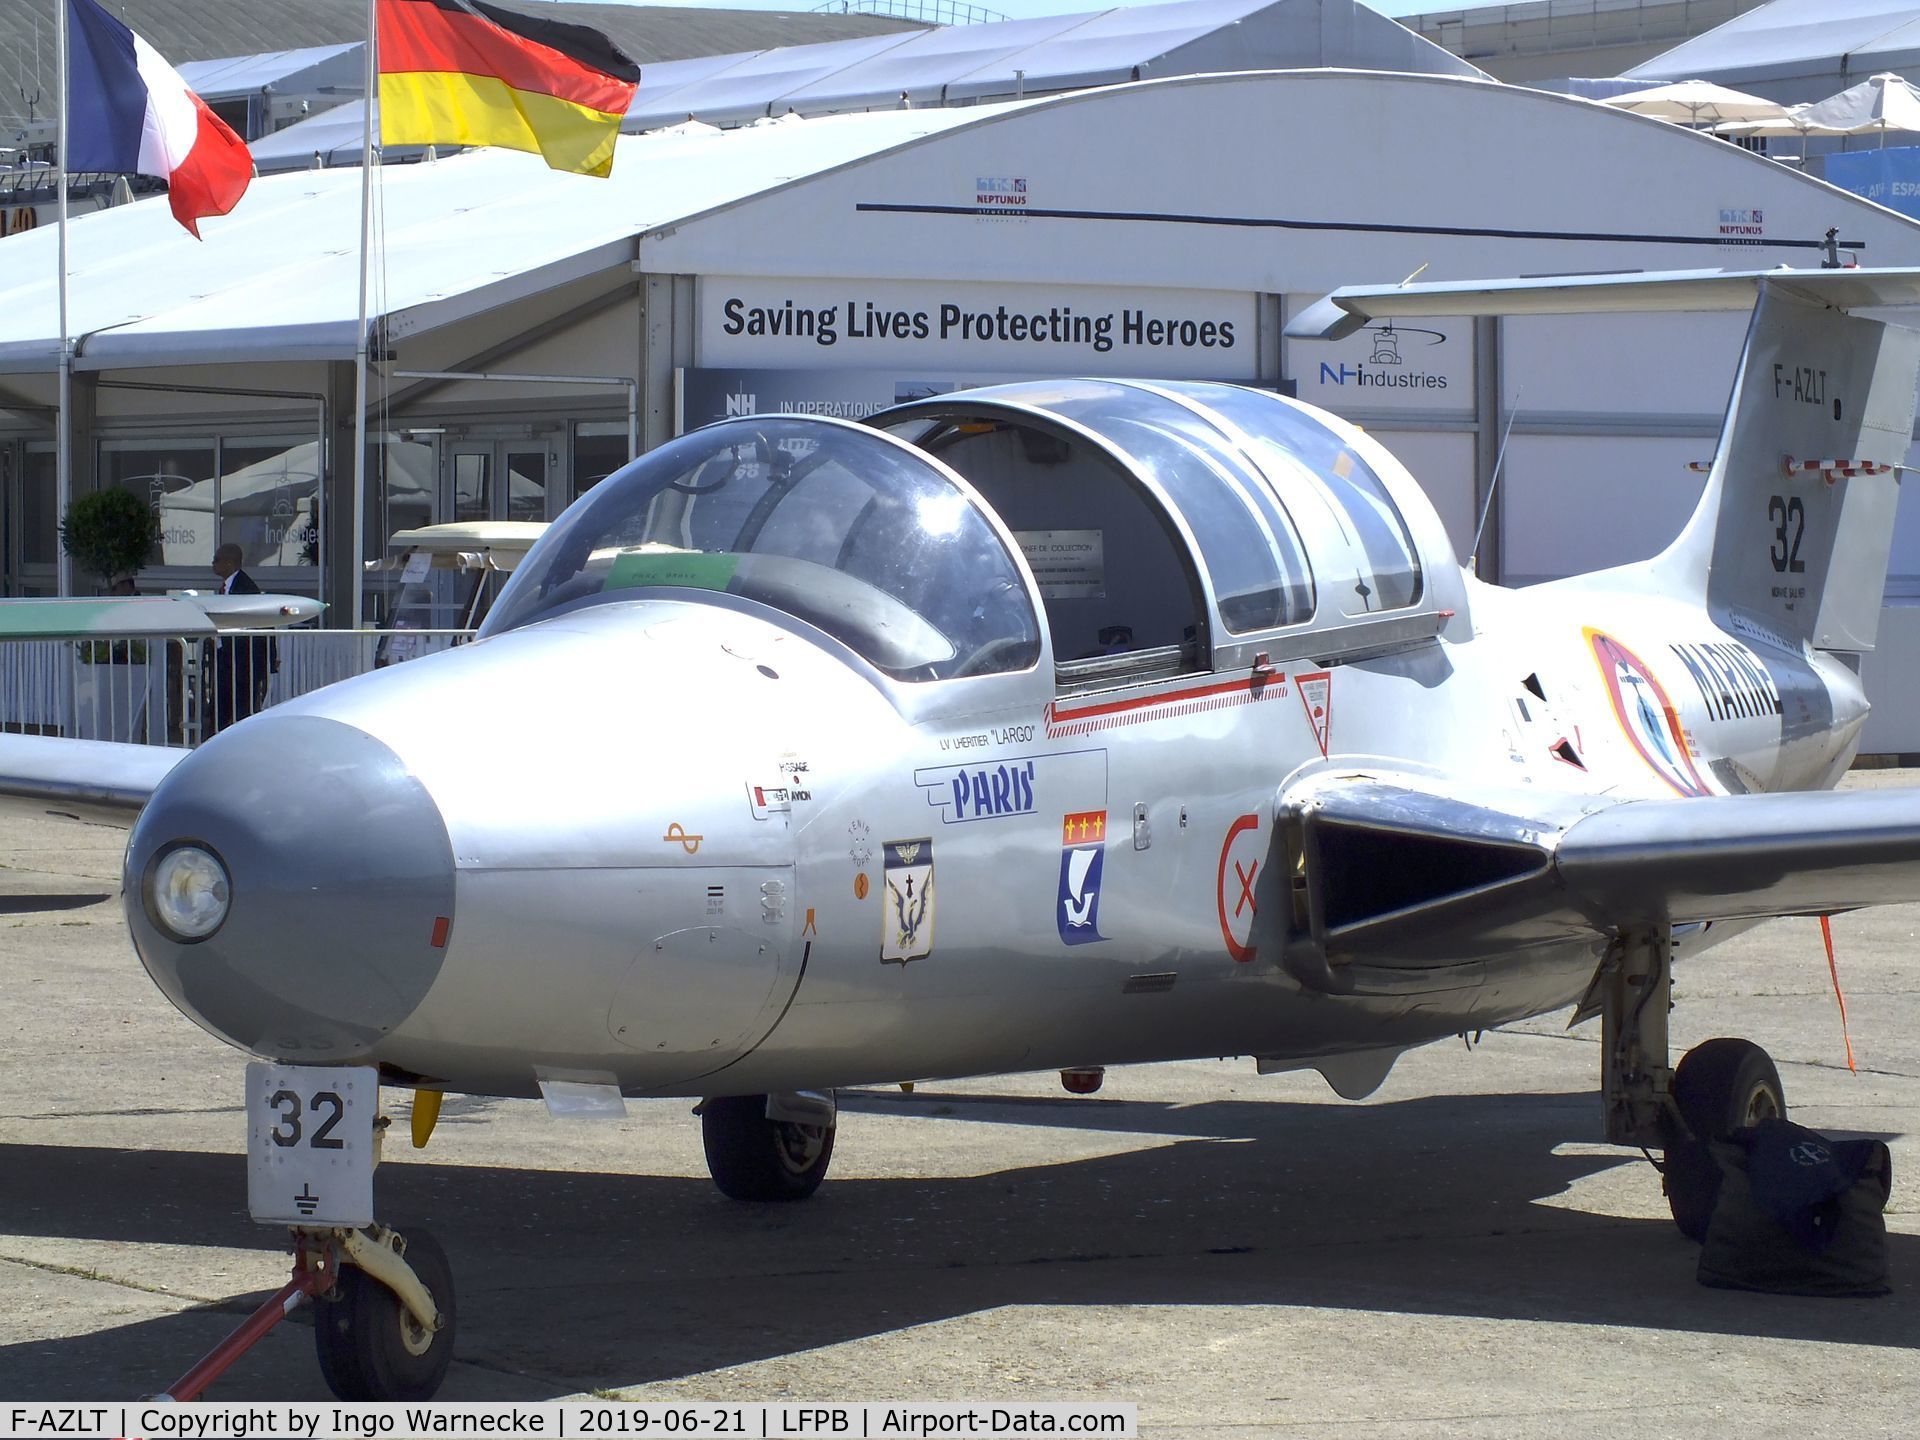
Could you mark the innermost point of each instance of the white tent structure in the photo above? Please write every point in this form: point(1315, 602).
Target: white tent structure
point(333, 137)
point(1005, 60)
point(258, 93)
point(1797, 50)
point(976, 64)
point(1159, 229)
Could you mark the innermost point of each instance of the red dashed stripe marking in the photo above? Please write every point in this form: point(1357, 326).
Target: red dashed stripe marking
point(1223, 695)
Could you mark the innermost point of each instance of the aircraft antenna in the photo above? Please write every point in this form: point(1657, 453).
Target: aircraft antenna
point(1493, 482)
point(1415, 275)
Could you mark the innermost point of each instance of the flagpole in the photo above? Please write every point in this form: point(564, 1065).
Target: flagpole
point(357, 529)
point(63, 434)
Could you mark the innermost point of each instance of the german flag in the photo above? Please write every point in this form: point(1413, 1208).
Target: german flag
point(463, 72)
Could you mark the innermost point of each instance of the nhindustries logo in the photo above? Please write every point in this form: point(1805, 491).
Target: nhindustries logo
point(1387, 367)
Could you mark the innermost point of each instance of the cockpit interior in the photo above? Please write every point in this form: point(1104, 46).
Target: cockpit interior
point(1161, 529)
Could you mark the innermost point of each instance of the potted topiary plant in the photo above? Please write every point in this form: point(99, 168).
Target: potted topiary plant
point(109, 534)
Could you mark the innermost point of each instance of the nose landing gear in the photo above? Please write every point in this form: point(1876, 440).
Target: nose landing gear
point(385, 1321)
point(386, 1330)
point(768, 1147)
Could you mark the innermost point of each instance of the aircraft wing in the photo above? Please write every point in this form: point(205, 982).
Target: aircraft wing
point(98, 781)
point(1395, 876)
point(112, 615)
point(188, 613)
point(1350, 308)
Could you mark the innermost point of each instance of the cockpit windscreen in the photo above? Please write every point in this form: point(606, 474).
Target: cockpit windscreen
point(838, 527)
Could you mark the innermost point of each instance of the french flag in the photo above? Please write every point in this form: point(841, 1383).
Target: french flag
point(130, 113)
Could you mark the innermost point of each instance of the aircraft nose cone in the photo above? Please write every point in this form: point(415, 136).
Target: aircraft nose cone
point(337, 896)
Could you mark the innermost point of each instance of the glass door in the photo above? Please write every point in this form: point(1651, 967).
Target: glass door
point(499, 479)
point(504, 479)
point(30, 550)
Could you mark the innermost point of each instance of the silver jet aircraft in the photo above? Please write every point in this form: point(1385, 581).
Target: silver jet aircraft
point(1055, 725)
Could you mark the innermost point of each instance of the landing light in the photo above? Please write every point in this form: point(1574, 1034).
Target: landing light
point(188, 892)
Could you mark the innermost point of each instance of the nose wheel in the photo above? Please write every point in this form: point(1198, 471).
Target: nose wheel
point(384, 1327)
point(371, 1343)
point(768, 1147)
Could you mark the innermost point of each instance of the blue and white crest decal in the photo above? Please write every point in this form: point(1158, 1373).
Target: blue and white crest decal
point(906, 904)
point(1083, 853)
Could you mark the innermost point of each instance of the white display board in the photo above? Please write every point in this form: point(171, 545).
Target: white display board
point(1035, 329)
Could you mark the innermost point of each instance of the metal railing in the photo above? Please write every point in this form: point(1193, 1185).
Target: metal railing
point(178, 690)
point(930, 12)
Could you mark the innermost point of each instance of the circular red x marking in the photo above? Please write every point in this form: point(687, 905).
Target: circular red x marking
point(1244, 848)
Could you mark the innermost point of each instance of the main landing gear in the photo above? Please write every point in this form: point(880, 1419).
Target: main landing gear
point(769, 1147)
point(1718, 1087)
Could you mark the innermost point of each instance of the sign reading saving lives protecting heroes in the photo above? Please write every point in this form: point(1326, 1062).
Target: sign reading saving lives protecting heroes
point(1032, 329)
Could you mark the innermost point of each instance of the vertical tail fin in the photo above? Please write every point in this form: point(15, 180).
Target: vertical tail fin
point(1804, 550)
point(1802, 554)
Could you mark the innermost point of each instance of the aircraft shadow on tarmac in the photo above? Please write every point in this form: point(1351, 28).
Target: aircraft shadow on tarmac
point(581, 1280)
point(30, 904)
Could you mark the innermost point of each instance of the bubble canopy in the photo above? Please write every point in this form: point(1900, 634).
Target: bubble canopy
point(835, 525)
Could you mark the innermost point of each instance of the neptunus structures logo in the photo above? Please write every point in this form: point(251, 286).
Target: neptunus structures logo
point(1394, 364)
point(1000, 193)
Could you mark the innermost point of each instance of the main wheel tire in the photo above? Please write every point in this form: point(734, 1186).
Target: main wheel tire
point(753, 1158)
point(1719, 1086)
point(369, 1344)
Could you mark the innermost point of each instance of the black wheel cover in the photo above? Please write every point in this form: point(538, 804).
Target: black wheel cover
point(1714, 1087)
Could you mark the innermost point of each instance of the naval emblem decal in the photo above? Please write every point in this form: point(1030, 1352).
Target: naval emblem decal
point(906, 910)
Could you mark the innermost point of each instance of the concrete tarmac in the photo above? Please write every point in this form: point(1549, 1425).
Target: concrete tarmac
point(1239, 1256)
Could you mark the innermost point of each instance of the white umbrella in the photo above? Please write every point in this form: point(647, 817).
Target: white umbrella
point(1882, 102)
point(1697, 102)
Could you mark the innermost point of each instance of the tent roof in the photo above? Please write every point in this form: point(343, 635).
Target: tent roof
point(211, 29)
point(979, 62)
point(278, 278)
point(335, 135)
point(1001, 60)
point(1795, 36)
point(249, 74)
point(1051, 53)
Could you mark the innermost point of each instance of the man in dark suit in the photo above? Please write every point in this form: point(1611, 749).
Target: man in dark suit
point(241, 667)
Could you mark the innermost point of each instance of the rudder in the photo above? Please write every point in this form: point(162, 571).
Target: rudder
point(1804, 552)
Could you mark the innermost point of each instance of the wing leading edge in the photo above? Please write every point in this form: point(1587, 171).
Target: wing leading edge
point(1395, 878)
point(98, 781)
point(1349, 308)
